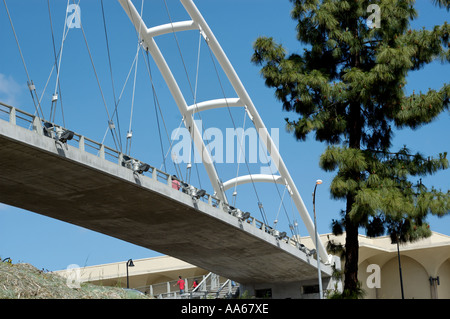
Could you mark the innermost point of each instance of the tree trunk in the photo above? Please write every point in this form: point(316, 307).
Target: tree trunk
point(351, 227)
point(351, 253)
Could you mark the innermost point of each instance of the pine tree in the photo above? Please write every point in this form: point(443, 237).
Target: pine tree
point(348, 89)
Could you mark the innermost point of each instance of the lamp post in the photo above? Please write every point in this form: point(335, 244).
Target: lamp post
point(400, 270)
point(399, 264)
point(129, 264)
point(318, 182)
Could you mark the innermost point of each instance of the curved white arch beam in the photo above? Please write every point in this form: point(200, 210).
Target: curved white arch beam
point(171, 27)
point(215, 104)
point(257, 178)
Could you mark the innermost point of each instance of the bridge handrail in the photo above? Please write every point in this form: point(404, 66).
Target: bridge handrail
point(12, 115)
point(100, 150)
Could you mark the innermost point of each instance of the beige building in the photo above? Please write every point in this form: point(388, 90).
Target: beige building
point(425, 267)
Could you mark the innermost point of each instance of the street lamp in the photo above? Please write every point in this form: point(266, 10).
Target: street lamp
point(129, 264)
point(318, 182)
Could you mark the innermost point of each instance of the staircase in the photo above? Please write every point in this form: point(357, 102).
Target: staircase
point(211, 287)
point(226, 291)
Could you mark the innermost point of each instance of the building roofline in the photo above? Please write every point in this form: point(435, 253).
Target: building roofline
point(379, 243)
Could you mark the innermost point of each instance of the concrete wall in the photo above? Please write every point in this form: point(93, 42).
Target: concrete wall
point(293, 290)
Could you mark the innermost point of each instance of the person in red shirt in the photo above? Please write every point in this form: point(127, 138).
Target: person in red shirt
point(181, 284)
point(195, 284)
point(175, 183)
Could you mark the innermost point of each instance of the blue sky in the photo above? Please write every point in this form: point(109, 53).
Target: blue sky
point(51, 244)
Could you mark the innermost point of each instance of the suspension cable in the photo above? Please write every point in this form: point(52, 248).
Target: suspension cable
point(121, 93)
point(155, 104)
point(191, 150)
point(30, 83)
point(157, 107)
point(276, 186)
point(53, 69)
point(113, 130)
point(260, 206)
point(56, 65)
point(130, 133)
point(232, 119)
point(188, 79)
point(279, 208)
point(112, 78)
point(239, 160)
point(294, 228)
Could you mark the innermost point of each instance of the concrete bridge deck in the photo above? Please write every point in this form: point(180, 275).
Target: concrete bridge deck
point(90, 189)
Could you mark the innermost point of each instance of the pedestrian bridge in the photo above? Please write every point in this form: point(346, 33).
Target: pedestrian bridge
point(49, 170)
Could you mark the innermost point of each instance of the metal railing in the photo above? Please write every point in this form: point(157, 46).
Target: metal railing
point(227, 289)
point(209, 286)
point(34, 123)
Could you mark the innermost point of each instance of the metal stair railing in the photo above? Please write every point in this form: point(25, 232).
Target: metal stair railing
point(227, 289)
point(211, 286)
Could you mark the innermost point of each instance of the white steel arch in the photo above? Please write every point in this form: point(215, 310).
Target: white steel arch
point(255, 178)
point(214, 104)
point(199, 23)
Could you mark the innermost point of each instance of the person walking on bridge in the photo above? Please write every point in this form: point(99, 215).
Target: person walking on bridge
point(181, 284)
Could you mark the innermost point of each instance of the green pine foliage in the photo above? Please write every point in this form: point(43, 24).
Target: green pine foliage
point(348, 88)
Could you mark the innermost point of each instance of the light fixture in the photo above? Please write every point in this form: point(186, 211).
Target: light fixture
point(319, 273)
point(196, 194)
point(135, 165)
point(143, 167)
point(129, 264)
point(126, 161)
point(201, 193)
point(282, 235)
point(48, 127)
point(433, 281)
point(303, 248)
point(66, 136)
point(57, 132)
point(63, 135)
point(245, 216)
point(232, 210)
point(240, 214)
point(184, 187)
